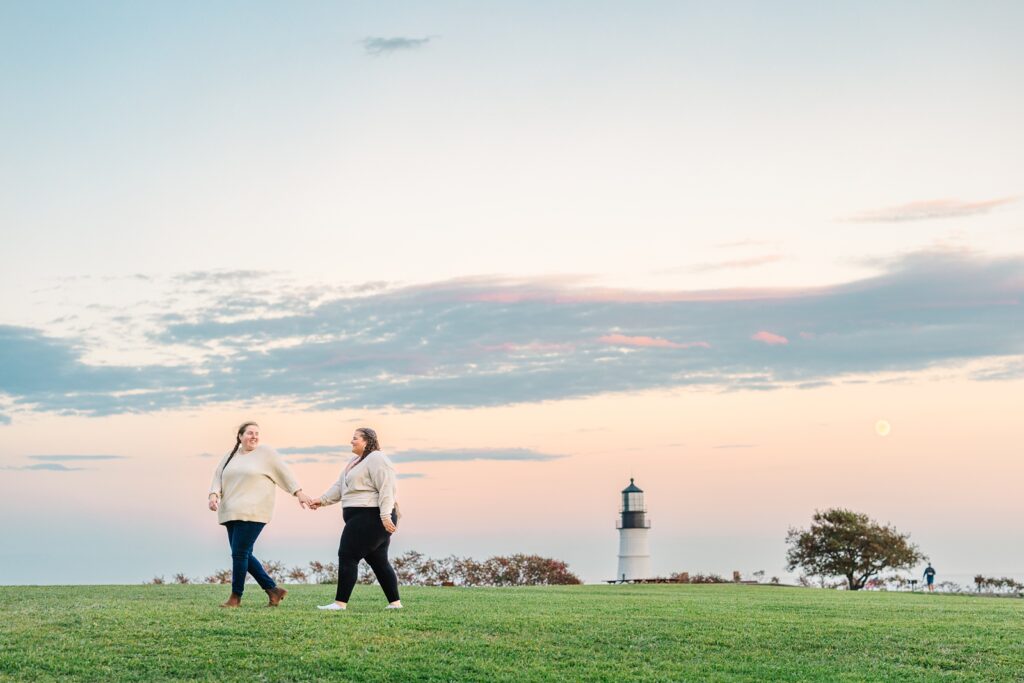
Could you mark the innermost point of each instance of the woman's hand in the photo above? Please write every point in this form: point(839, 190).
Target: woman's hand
point(389, 526)
point(315, 503)
point(304, 500)
point(214, 501)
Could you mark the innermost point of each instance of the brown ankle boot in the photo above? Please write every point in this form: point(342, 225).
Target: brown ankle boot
point(234, 601)
point(276, 595)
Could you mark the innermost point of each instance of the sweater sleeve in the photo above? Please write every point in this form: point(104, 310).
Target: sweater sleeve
point(217, 486)
point(333, 494)
point(281, 474)
point(382, 472)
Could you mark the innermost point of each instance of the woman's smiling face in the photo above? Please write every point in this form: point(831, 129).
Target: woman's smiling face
point(250, 437)
point(358, 443)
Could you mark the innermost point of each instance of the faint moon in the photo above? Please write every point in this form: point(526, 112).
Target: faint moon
point(882, 428)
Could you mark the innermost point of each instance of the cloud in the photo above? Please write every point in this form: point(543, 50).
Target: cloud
point(769, 338)
point(338, 449)
point(752, 262)
point(49, 467)
point(66, 458)
point(930, 209)
point(5, 419)
point(624, 340)
point(463, 454)
point(381, 46)
point(221, 276)
point(1011, 369)
point(477, 342)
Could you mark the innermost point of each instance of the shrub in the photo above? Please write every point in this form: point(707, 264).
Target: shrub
point(223, 576)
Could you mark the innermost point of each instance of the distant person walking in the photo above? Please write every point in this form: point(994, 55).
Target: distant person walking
point(929, 575)
point(367, 491)
point(242, 495)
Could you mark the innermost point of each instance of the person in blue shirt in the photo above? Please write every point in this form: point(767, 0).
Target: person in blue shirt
point(929, 575)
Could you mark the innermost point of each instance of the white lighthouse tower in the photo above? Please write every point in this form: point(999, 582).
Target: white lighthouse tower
point(634, 551)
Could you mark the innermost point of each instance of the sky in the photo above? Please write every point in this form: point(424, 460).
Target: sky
point(764, 258)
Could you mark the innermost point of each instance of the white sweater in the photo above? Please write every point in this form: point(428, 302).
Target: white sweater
point(246, 485)
point(369, 484)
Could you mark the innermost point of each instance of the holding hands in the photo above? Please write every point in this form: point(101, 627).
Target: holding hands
point(304, 500)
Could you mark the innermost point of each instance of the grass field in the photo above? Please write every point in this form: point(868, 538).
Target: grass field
point(613, 633)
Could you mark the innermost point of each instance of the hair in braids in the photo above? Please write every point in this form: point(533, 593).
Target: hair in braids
point(370, 436)
point(238, 441)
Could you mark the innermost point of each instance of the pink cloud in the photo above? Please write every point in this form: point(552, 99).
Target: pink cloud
point(769, 338)
point(654, 342)
point(930, 209)
point(532, 347)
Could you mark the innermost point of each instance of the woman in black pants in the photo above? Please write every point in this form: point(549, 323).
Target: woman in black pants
point(366, 489)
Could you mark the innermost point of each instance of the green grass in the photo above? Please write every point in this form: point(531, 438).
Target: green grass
point(613, 633)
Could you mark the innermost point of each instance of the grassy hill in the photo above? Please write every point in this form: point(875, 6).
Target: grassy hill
point(613, 633)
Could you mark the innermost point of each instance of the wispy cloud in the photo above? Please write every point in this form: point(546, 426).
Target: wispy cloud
point(483, 342)
point(769, 338)
point(651, 342)
point(382, 46)
point(733, 264)
point(1010, 369)
point(930, 209)
point(5, 419)
point(72, 458)
point(462, 454)
point(336, 449)
point(47, 467)
point(221, 276)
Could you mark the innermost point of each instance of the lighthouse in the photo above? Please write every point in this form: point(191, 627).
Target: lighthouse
point(634, 552)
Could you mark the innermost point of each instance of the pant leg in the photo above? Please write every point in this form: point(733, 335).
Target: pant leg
point(243, 538)
point(358, 539)
point(239, 566)
point(382, 569)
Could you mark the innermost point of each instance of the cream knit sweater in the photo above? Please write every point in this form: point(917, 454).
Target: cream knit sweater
point(246, 486)
point(369, 484)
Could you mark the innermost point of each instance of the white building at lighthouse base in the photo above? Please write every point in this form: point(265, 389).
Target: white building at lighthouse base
point(634, 555)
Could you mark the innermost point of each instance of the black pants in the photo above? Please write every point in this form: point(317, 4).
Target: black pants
point(364, 538)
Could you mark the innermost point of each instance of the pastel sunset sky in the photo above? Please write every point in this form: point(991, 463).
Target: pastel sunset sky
point(540, 247)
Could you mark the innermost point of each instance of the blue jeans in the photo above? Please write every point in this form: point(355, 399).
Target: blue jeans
point(242, 537)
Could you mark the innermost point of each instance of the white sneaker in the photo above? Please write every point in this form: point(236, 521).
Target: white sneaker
point(394, 607)
point(333, 607)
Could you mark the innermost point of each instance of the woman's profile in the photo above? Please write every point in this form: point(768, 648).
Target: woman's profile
point(366, 489)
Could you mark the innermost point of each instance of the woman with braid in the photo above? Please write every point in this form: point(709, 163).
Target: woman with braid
point(242, 495)
point(366, 489)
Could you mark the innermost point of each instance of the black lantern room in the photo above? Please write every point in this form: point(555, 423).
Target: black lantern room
point(634, 512)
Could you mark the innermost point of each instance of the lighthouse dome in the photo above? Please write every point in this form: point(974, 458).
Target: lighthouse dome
point(632, 499)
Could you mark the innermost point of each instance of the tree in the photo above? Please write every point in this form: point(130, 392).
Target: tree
point(850, 544)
